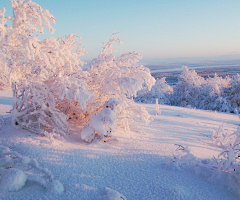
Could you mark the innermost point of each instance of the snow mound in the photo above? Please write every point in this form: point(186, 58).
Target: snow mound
point(25, 160)
point(88, 134)
point(112, 195)
point(57, 187)
point(102, 124)
point(12, 179)
point(5, 161)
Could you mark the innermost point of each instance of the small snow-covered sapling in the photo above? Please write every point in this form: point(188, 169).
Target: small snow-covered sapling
point(157, 111)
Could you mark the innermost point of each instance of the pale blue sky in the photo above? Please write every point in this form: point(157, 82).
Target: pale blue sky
point(157, 29)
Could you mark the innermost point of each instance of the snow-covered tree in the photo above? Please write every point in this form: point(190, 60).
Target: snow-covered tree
point(232, 93)
point(41, 73)
point(216, 93)
point(189, 86)
point(49, 86)
point(161, 90)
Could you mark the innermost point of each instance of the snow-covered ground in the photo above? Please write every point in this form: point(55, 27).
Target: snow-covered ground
point(134, 164)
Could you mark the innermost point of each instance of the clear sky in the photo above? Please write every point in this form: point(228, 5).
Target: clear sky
point(157, 29)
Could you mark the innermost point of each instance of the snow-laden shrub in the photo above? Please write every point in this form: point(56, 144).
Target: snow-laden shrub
point(213, 95)
point(118, 79)
point(189, 85)
point(223, 138)
point(40, 73)
point(226, 164)
point(233, 93)
point(16, 169)
point(182, 159)
point(229, 161)
point(210, 94)
point(49, 86)
point(225, 167)
point(220, 136)
point(161, 91)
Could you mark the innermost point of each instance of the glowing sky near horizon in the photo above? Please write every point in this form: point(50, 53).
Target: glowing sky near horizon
point(157, 29)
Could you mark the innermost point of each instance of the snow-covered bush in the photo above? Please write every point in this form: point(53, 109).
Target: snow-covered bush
point(233, 93)
point(182, 159)
point(226, 164)
point(209, 94)
point(189, 86)
point(49, 86)
point(220, 136)
point(225, 168)
point(41, 73)
point(115, 80)
point(224, 138)
point(161, 90)
point(16, 169)
point(229, 161)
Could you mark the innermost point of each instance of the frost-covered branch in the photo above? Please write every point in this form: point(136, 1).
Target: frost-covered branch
point(16, 169)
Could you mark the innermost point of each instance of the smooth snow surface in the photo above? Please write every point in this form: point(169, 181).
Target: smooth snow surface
point(131, 164)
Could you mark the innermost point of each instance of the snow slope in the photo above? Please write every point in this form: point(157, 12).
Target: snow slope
point(134, 164)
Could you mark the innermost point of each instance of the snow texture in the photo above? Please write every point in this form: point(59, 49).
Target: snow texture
point(12, 179)
point(136, 164)
point(49, 89)
point(57, 187)
point(112, 195)
point(15, 169)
